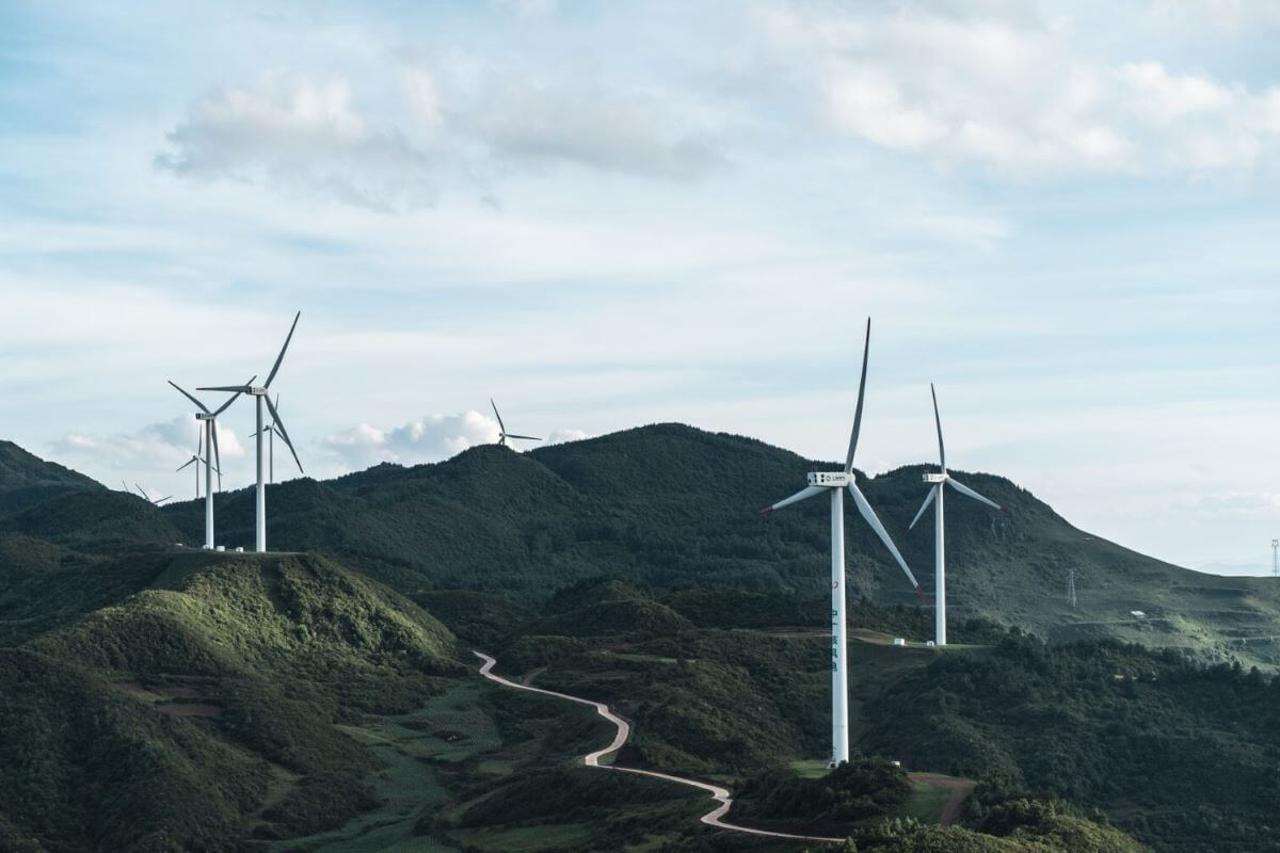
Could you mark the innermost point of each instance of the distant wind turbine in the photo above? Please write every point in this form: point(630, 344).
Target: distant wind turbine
point(503, 435)
point(212, 456)
point(271, 445)
point(835, 482)
point(938, 482)
point(197, 459)
point(262, 396)
point(147, 497)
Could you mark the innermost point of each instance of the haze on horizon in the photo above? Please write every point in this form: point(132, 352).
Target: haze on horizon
point(610, 215)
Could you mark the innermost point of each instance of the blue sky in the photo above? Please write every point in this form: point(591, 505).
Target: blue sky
point(608, 214)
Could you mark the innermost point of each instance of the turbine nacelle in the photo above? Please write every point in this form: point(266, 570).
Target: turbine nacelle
point(204, 416)
point(256, 391)
point(831, 479)
point(936, 478)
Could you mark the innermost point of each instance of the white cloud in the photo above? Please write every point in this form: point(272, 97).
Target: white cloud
point(431, 438)
point(564, 436)
point(156, 447)
point(642, 132)
point(866, 102)
point(1165, 97)
point(303, 134)
point(427, 439)
point(300, 134)
point(1018, 93)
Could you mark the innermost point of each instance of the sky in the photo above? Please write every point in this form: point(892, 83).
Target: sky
point(611, 214)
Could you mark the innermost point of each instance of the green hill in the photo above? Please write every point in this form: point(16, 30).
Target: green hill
point(672, 506)
point(314, 695)
point(190, 699)
point(27, 480)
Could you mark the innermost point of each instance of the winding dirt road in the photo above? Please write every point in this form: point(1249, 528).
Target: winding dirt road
point(721, 795)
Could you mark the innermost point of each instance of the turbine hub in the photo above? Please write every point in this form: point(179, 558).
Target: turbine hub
point(830, 479)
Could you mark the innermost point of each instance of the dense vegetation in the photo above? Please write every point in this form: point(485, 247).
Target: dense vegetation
point(201, 707)
point(1183, 756)
point(860, 789)
point(154, 697)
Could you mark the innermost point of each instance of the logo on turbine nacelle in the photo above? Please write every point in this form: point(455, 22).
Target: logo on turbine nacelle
point(833, 479)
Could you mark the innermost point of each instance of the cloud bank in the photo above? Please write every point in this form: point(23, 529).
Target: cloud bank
point(431, 438)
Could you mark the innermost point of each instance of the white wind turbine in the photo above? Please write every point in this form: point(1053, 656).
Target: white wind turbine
point(197, 460)
point(260, 393)
point(835, 482)
point(938, 483)
point(212, 457)
point(503, 435)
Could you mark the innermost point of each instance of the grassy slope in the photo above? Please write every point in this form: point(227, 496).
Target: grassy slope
point(204, 703)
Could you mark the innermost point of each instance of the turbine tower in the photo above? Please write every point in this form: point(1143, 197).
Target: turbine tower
point(1275, 558)
point(261, 395)
point(834, 483)
point(271, 446)
point(212, 460)
point(938, 482)
point(503, 435)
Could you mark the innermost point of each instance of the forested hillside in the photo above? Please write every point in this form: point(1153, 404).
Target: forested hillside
point(322, 697)
point(672, 506)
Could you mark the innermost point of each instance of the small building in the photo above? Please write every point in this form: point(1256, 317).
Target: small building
point(899, 641)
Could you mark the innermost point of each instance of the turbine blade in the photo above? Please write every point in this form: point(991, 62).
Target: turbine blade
point(502, 428)
point(284, 433)
point(188, 464)
point(162, 500)
point(525, 437)
point(183, 392)
point(142, 491)
point(234, 396)
point(803, 494)
point(238, 389)
point(857, 413)
point(217, 453)
point(280, 357)
point(965, 490)
point(872, 519)
point(937, 419)
point(928, 500)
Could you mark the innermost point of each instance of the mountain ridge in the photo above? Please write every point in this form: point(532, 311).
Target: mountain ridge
point(670, 505)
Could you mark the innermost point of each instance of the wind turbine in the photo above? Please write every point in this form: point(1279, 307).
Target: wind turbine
point(938, 483)
point(260, 393)
point(503, 435)
point(147, 497)
point(212, 460)
point(196, 459)
point(835, 482)
point(271, 446)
